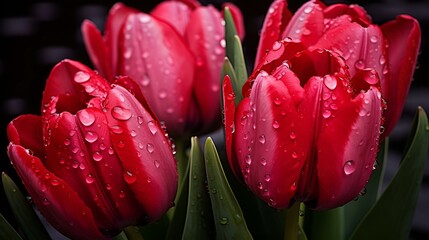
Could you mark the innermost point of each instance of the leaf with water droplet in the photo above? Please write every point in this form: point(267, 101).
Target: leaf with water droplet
point(198, 198)
point(224, 203)
point(25, 216)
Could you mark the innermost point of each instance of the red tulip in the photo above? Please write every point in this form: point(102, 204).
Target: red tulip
point(96, 160)
point(305, 130)
point(390, 49)
point(175, 54)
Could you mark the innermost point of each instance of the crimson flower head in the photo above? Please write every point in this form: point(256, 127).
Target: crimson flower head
point(174, 54)
point(97, 159)
point(390, 49)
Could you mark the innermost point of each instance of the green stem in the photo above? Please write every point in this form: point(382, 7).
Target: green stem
point(292, 218)
point(133, 233)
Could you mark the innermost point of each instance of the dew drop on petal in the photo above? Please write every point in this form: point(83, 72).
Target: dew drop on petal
point(262, 139)
point(91, 136)
point(97, 156)
point(152, 127)
point(150, 148)
point(86, 118)
point(349, 167)
point(129, 177)
point(156, 163)
point(276, 125)
point(330, 82)
point(121, 113)
point(81, 77)
point(89, 179)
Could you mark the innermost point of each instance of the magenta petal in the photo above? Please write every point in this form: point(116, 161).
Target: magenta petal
point(403, 36)
point(97, 49)
point(58, 203)
point(146, 155)
point(275, 22)
point(162, 65)
point(175, 13)
point(26, 131)
point(357, 13)
point(229, 115)
point(306, 25)
point(350, 160)
point(209, 54)
point(115, 21)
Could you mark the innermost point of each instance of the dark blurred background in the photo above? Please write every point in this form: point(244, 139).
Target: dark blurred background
point(34, 37)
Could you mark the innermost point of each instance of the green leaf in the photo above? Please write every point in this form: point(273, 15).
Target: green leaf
point(199, 218)
point(228, 217)
point(7, 231)
point(29, 223)
point(178, 212)
point(230, 32)
point(354, 211)
point(392, 215)
point(239, 63)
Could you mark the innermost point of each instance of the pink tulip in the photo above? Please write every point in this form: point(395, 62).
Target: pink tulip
point(390, 49)
point(96, 160)
point(174, 54)
point(306, 130)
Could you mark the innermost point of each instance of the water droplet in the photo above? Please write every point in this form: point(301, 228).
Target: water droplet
point(382, 59)
point(308, 9)
point(330, 82)
point(276, 125)
point(248, 159)
point(121, 113)
point(152, 127)
point(81, 77)
point(277, 45)
point(294, 155)
point(128, 52)
point(349, 167)
point(129, 177)
point(262, 139)
point(116, 129)
point(89, 179)
point(150, 148)
point(223, 220)
point(156, 163)
point(162, 94)
point(277, 101)
point(263, 162)
point(326, 113)
point(108, 186)
point(86, 118)
point(373, 39)
point(55, 182)
point(91, 136)
point(66, 141)
point(97, 156)
point(133, 133)
point(121, 194)
point(267, 177)
point(110, 151)
point(292, 135)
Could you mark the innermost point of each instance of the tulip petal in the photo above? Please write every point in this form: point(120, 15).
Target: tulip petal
point(175, 13)
point(79, 152)
point(403, 35)
point(148, 162)
point(206, 45)
point(307, 24)
point(350, 160)
point(97, 49)
point(356, 12)
point(270, 142)
point(73, 83)
point(115, 21)
point(58, 203)
point(275, 22)
point(361, 47)
point(162, 66)
point(26, 131)
point(229, 126)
